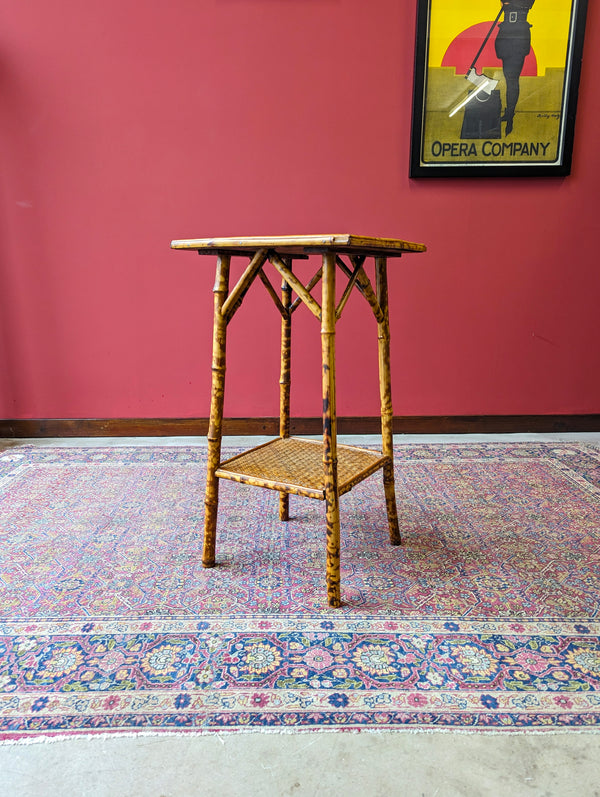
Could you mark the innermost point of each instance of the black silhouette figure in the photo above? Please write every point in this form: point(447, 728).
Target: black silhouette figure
point(513, 43)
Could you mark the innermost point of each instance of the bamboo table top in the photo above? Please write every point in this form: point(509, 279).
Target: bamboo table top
point(302, 244)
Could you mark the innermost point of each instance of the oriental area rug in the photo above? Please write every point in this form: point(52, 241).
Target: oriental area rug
point(486, 618)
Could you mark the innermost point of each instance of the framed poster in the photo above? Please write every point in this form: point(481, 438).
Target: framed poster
point(495, 89)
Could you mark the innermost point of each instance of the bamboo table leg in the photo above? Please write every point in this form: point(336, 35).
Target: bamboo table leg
point(330, 462)
point(385, 392)
point(215, 429)
point(284, 384)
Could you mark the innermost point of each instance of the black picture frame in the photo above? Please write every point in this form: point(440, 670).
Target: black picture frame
point(461, 123)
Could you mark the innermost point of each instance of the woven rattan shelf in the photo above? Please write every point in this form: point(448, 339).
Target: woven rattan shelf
point(295, 466)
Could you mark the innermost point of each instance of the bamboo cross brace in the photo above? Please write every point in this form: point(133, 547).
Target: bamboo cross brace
point(363, 284)
point(369, 295)
point(348, 290)
point(236, 296)
point(309, 288)
point(273, 294)
point(295, 283)
point(347, 270)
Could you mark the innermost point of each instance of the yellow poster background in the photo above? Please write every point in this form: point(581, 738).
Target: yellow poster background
point(549, 35)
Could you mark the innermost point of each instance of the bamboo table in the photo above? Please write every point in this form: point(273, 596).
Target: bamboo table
point(291, 465)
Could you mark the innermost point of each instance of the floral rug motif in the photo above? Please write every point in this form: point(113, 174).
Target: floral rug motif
point(487, 617)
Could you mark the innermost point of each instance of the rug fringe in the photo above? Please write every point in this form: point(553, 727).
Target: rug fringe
point(207, 733)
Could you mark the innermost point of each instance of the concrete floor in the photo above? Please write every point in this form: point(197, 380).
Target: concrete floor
point(367, 764)
point(274, 765)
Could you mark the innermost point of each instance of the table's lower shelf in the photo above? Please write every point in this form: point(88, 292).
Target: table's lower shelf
point(293, 465)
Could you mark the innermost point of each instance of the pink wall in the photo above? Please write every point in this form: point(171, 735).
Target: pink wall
point(127, 124)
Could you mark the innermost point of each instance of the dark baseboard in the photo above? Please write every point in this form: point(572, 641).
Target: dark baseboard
point(190, 427)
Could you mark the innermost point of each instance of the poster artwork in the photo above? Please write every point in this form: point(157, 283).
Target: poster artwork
point(496, 84)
